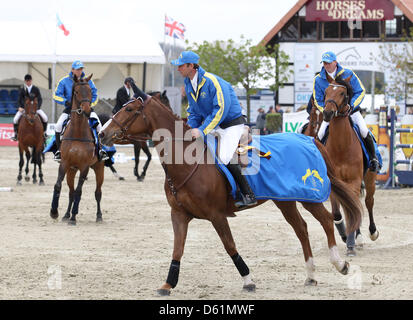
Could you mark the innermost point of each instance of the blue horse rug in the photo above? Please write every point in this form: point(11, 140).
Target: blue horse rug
point(294, 171)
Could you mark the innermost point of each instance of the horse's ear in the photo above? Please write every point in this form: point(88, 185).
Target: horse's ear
point(88, 78)
point(164, 93)
point(75, 79)
point(348, 78)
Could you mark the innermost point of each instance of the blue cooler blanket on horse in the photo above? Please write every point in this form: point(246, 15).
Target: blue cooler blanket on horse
point(295, 171)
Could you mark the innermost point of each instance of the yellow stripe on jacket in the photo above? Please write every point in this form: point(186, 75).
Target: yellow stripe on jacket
point(361, 96)
point(221, 103)
point(314, 95)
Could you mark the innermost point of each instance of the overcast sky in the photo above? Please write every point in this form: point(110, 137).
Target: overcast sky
point(204, 20)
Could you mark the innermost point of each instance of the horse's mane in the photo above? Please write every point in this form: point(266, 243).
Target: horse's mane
point(342, 82)
point(169, 112)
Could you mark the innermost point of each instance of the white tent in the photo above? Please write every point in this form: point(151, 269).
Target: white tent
point(111, 51)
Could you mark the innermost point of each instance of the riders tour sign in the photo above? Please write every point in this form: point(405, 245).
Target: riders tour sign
point(344, 10)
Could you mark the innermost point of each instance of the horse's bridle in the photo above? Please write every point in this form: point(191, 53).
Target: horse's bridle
point(124, 126)
point(79, 110)
point(337, 113)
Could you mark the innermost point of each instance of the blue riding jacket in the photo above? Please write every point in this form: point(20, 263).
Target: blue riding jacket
point(63, 92)
point(321, 83)
point(214, 103)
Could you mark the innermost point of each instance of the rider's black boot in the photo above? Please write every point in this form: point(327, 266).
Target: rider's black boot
point(248, 196)
point(374, 164)
point(15, 126)
point(57, 154)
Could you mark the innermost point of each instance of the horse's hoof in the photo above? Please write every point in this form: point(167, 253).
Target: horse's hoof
point(26, 178)
point(121, 178)
point(374, 236)
point(310, 282)
point(65, 218)
point(18, 183)
point(249, 287)
point(344, 238)
point(99, 220)
point(345, 268)
point(163, 292)
point(351, 252)
point(140, 179)
point(41, 183)
point(54, 213)
point(34, 181)
point(71, 222)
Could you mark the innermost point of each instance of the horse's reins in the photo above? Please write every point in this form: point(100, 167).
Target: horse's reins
point(337, 113)
point(124, 128)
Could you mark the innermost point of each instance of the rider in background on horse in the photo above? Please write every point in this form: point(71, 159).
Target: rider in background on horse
point(29, 90)
point(63, 96)
point(123, 94)
point(331, 70)
point(214, 107)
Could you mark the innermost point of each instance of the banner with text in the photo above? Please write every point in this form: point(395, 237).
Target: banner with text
point(345, 10)
point(6, 133)
point(292, 121)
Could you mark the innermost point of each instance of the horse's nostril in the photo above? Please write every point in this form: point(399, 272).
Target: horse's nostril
point(101, 134)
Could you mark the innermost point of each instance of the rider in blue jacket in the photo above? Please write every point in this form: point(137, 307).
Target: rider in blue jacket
point(332, 69)
point(214, 107)
point(63, 96)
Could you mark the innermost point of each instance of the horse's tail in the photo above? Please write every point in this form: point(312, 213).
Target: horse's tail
point(342, 191)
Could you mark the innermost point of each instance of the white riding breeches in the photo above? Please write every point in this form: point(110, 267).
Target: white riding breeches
point(17, 117)
point(42, 115)
point(357, 119)
point(40, 112)
point(64, 116)
point(228, 142)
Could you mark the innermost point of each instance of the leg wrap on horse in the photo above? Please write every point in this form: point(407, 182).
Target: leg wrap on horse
point(241, 265)
point(173, 273)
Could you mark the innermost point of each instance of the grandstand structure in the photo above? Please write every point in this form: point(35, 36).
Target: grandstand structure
point(354, 30)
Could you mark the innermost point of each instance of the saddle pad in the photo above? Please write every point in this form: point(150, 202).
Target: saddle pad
point(296, 171)
point(366, 157)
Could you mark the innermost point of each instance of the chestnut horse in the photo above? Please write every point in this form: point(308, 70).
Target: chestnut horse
point(198, 190)
point(30, 135)
point(346, 154)
point(138, 145)
point(78, 154)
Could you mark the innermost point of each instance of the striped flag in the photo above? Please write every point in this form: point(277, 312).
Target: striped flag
point(174, 28)
point(61, 25)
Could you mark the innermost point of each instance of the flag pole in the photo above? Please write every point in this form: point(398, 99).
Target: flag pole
point(54, 76)
point(172, 69)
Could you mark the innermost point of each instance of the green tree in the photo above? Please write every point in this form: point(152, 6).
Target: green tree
point(244, 64)
point(397, 60)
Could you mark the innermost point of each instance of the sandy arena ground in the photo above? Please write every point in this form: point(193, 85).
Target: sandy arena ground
point(128, 256)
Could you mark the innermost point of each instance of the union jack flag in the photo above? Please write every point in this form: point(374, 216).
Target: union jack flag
point(174, 28)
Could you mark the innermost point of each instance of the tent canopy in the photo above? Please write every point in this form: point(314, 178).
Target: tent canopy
point(89, 41)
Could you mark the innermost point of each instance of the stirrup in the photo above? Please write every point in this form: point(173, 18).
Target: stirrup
point(103, 155)
point(374, 165)
point(247, 201)
point(57, 156)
